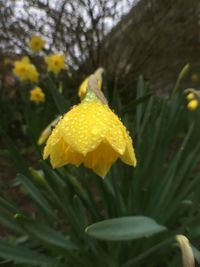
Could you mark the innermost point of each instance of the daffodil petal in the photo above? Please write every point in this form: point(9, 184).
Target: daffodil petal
point(54, 138)
point(82, 128)
point(115, 135)
point(55, 63)
point(73, 157)
point(83, 88)
point(57, 156)
point(101, 159)
point(129, 155)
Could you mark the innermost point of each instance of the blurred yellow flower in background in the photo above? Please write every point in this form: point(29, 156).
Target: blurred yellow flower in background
point(36, 43)
point(55, 63)
point(37, 95)
point(190, 96)
point(83, 87)
point(194, 77)
point(92, 134)
point(33, 73)
point(193, 104)
point(25, 71)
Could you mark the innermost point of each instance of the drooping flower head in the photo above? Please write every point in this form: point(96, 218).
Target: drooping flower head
point(25, 71)
point(83, 87)
point(36, 43)
point(55, 63)
point(90, 134)
point(37, 95)
point(193, 104)
point(192, 98)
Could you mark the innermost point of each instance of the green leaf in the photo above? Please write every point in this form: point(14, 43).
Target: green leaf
point(61, 103)
point(35, 194)
point(124, 228)
point(116, 101)
point(140, 108)
point(148, 253)
point(181, 76)
point(23, 255)
point(77, 186)
point(80, 211)
point(18, 160)
point(168, 182)
point(132, 104)
point(7, 205)
point(46, 234)
point(7, 220)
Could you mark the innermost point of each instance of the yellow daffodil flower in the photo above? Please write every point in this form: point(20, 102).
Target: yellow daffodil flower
point(194, 77)
point(91, 134)
point(37, 95)
point(25, 71)
point(55, 63)
point(193, 104)
point(190, 96)
point(47, 131)
point(33, 73)
point(36, 43)
point(83, 86)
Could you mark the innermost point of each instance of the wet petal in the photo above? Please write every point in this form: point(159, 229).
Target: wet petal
point(82, 128)
point(57, 156)
point(92, 134)
point(129, 155)
point(115, 136)
point(54, 138)
point(101, 159)
point(62, 154)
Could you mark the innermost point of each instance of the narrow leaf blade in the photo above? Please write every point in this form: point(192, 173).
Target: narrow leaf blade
point(23, 255)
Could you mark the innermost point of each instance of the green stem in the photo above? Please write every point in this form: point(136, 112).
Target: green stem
point(133, 261)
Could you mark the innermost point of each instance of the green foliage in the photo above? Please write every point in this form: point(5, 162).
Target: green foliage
point(77, 215)
point(124, 228)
